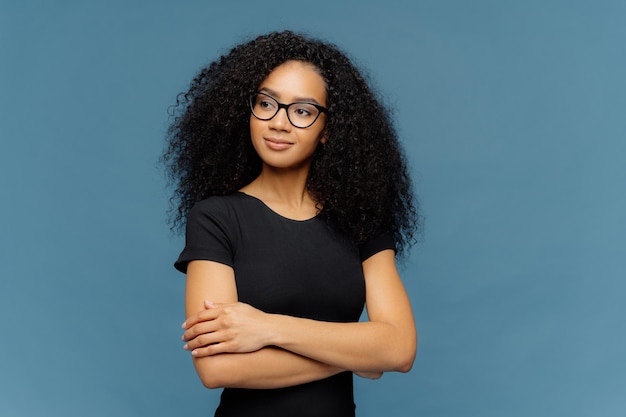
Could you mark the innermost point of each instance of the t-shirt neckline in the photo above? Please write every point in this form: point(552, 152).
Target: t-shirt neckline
point(268, 208)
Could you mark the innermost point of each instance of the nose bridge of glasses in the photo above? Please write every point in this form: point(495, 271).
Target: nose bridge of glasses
point(285, 107)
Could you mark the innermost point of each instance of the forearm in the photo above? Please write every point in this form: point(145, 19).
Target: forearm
point(269, 367)
point(385, 343)
point(363, 346)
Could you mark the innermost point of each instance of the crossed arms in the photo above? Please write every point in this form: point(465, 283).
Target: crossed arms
point(236, 345)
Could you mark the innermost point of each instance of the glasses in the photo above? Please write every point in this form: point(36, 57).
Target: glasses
point(300, 114)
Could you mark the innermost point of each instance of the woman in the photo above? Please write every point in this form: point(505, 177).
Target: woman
point(296, 199)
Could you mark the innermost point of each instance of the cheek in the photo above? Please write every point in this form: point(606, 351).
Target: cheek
point(254, 126)
point(321, 136)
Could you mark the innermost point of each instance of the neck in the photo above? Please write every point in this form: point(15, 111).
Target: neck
point(283, 190)
point(286, 186)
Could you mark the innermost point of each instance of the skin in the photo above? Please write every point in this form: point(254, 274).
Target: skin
point(236, 345)
point(291, 82)
point(282, 182)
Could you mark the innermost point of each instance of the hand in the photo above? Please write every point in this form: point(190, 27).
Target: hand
point(369, 375)
point(225, 328)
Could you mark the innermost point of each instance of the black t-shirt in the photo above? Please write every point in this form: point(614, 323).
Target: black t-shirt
point(283, 266)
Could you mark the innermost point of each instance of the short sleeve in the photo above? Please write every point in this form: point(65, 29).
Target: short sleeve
point(378, 244)
point(208, 234)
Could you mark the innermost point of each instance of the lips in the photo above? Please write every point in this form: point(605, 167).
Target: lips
point(277, 144)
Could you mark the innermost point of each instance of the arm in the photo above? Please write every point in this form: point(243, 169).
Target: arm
point(387, 342)
point(268, 367)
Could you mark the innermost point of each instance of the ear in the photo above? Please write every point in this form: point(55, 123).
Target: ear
point(323, 138)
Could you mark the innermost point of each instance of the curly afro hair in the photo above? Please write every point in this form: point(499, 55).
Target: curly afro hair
point(358, 178)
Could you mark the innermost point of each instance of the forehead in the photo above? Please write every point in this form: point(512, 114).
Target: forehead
point(294, 81)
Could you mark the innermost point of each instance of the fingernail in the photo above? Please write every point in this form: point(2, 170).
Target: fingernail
point(209, 304)
point(186, 347)
point(194, 352)
point(184, 325)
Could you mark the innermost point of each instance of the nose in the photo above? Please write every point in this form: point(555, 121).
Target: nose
point(280, 121)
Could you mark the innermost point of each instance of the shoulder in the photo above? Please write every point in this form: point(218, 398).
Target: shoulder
point(215, 202)
point(215, 210)
point(378, 244)
point(212, 232)
point(217, 205)
point(227, 210)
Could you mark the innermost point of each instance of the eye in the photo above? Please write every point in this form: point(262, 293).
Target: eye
point(304, 110)
point(265, 103)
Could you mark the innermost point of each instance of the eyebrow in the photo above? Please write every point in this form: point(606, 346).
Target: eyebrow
point(275, 94)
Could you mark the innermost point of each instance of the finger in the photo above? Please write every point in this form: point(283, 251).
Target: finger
point(204, 315)
point(211, 350)
point(203, 341)
point(211, 304)
point(200, 328)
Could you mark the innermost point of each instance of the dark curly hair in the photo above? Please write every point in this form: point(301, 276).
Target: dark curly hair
point(358, 178)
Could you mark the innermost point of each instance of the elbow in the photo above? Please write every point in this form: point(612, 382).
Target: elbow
point(209, 373)
point(406, 365)
point(209, 381)
point(406, 357)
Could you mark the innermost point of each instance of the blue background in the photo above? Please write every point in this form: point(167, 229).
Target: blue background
point(513, 118)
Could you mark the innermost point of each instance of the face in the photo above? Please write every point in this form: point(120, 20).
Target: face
point(279, 143)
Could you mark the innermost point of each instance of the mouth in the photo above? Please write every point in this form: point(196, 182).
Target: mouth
point(277, 144)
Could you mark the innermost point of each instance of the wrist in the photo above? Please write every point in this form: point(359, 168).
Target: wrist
point(272, 329)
